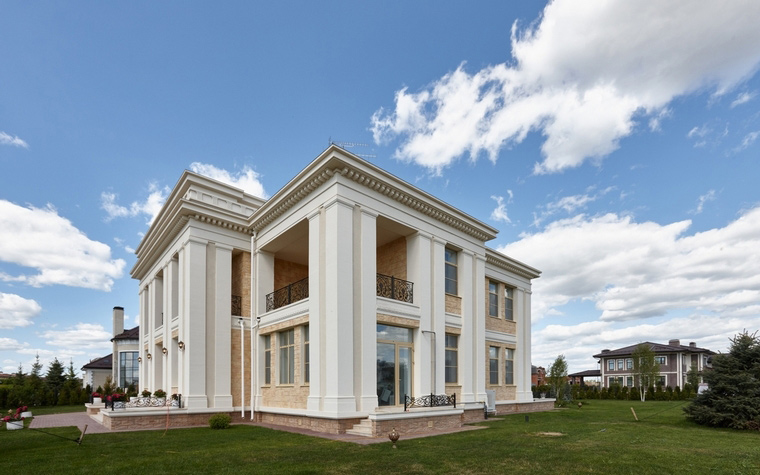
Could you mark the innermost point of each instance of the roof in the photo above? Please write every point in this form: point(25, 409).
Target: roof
point(131, 334)
point(656, 347)
point(589, 373)
point(104, 362)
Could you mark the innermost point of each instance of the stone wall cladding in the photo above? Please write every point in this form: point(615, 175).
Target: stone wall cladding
point(286, 272)
point(292, 396)
point(500, 323)
point(327, 426)
point(397, 321)
point(417, 425)
point(453, 304)
point(241, 280)
point(235, 367)
point(391, 258)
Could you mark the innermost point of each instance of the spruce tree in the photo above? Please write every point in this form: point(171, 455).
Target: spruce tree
point(54, 379)
point(733, 395)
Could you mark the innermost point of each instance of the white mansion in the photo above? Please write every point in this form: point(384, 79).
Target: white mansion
point(328, 304)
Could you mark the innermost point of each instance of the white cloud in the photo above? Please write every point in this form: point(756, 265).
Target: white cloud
point(16, 311)
point(707, 197)
point(9, 344)
point(581, 76)
point(150, 207)
point(568, 204)
point(40, 239)
point(742, 98)
point(6, 139)
point(748, 140)
point(500, 212)
point(246, 179)
point(633, 270)
point(81, 336)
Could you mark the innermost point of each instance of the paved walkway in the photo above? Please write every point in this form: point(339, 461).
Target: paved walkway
point(78, 419)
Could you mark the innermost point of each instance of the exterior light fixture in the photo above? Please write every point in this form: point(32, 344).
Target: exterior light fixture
point(181, 345)
point(139, 359)
point(149, 356)
point(164, 350)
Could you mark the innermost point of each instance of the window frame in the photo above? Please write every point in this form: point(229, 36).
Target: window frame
point(493, 299)
point(126, 357)
point(452, 349)
point(493, 366)
point(450, 258)
point(661, 360)
point(629, 363)
point(286, 345)
point(509, 367)
point(620, 364)
point(267, 360)
point(509, 303)
point(305, 357)
point(610, 364)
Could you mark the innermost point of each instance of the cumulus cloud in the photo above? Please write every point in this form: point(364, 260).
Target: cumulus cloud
point(636, 270)
point(707, 197)
point(81, 336)
point(568, 204)
point(743, 98)
point(149, 207)
point(40, 239)
point(16, 311)
point(9, 344)
point(6, 139)
point(582, 75)
point(246, 179)
point(500, 212)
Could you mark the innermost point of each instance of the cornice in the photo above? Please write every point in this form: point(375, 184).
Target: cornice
point(511, 265)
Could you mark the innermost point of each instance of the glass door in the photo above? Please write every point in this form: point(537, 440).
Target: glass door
point(394, 364)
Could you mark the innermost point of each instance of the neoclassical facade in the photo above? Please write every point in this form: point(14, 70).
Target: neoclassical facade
point(328, 304)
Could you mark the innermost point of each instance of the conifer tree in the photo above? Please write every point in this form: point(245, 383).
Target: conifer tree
point(54, 380)
point(732, 398)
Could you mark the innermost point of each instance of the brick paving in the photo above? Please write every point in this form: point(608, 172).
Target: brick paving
point(78, 419)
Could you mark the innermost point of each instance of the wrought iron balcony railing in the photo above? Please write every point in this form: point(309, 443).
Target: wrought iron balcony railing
point(430, 400)
point(395, 288)
point(287, 295)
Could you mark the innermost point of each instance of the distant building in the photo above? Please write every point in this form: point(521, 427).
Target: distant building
point(589, 377)
point(674, 358)
point(96, 371)
point(537, 375)
point(125, 352)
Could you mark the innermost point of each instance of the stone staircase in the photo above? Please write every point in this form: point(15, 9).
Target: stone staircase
point(363, 428)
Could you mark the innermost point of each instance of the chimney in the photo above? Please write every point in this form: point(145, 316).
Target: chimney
point(674, 343)
point(605, 351)
point(118, 320)
point(692, 344)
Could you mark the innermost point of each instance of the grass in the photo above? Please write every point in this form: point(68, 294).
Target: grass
point(602, 437)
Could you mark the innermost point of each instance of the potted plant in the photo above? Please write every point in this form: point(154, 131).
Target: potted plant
point(160, 394)
point(14, 420)
point(97, 398)
point(145, 393)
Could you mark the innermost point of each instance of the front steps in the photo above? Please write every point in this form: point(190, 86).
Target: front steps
point(364, 428)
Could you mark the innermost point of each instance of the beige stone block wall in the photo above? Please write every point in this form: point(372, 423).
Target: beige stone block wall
point(286, 272)
point(454, 389)
point(397, 321)
point(328, 426)
point(501, 390)
point(418, 425)
point(292, 396)
point(241, 280)
point(235, 367)
point(453, 304)
point(391, 258)
point(500, 323)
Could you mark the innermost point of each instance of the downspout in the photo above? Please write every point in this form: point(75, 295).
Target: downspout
point(242, 368)
point(254, 328)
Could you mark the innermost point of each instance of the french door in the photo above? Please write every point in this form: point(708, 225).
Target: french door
point(394, 364)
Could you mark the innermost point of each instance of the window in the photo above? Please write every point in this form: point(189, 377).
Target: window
point(452, 358)
point(128, 369)
point(629, 381)
point(451, 272)
point(493, 299)
point(493, 365)
point(267, 360)
point(287, 357)
point(620, 364)
point(661, 359)
point(306, 372)
point(508, 301)
point(611, 364)
point(660, 381)
point(509, 366)
point(629, 363)
point(615, 380)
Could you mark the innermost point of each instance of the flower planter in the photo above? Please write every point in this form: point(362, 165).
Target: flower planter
point(14, 425)
point(97, 400)
point(26, 414)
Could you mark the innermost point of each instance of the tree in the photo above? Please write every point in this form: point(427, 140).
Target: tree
point(733, 395)
point(54, 379)
point(646, 370)
point(558, 376)
point(692, 377)
point(34, 384)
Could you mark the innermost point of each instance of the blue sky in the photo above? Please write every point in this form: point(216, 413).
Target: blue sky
point(613, 145)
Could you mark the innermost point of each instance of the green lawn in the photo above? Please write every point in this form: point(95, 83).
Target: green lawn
point(602, 437)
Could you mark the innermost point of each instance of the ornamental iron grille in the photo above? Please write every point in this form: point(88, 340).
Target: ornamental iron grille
point(287, 295)
point(394, 288)
point(430, 400)
point(237, 305)
point(146, 402)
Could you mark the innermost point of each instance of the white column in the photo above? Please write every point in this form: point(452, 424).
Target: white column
point(338, 308)
point(435, 320)
point(222, 365)
point(366, 316)
point(523, 353)
point(171, 276)
point(421, 273)
point(316, 313)
point(143, 365)
point(195, 332)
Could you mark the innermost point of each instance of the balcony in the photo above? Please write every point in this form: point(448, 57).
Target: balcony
point(289, 294)
point(394, 288)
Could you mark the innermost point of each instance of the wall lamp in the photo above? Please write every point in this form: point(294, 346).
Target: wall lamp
point(149, 356)
point(139, 359)
point(164, 350)
point(181, 345)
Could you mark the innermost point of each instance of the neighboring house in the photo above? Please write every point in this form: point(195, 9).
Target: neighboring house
point(675, 361)
point(125, 352)
point(537, 375)
point(582, 377)
point(4, 376)
point(96, 371)
point(356, 289)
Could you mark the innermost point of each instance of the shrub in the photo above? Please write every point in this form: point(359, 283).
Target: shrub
point(145, 393)
point(220, 421)
point(160, 393)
